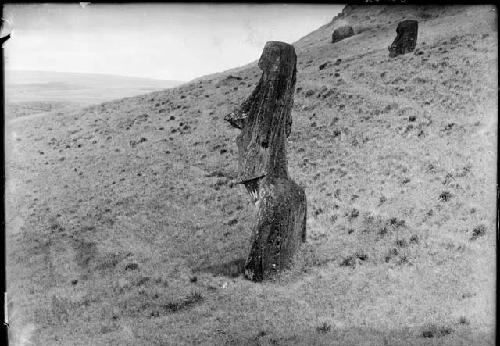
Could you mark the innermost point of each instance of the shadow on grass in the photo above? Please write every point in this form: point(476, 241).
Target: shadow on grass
point(329, 335)
point(232, 268)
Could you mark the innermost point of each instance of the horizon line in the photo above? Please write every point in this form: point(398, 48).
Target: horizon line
point(98, 73)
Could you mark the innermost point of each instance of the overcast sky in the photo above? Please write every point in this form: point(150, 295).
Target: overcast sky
point(162, 41)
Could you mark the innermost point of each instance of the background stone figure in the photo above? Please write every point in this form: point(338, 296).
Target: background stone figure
point(406, 38)
point(265, 122)
point(341, 33)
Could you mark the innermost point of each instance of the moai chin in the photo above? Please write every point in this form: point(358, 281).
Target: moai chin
point(265, 122)
point(406, 38)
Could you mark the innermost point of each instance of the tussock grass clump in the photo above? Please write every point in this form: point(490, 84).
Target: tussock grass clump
point(478, 231)
point(309, 93)
point(55, 226)
point(402, 243)
point(324, 328)
point(397, 222)
point(390, 254)
point(349, 261)
point(414, 239)
point(187, 302)
point(433, 331)
point(445, 196)
point(318, 211)
point(354, 213)
point(132, 266)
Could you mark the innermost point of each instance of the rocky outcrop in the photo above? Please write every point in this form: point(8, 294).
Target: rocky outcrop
point(342, 33)
point(406, 38)
point(265, 123)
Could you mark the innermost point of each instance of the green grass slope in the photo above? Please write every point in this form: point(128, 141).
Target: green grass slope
point(124, 226)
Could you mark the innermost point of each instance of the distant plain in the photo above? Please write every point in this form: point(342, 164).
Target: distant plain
point(30, 92)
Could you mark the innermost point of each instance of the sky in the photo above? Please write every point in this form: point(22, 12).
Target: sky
point(161, 41)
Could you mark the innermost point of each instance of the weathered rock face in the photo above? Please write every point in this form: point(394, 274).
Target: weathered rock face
point(406, 38)
point(342, 33)
point(265, 122)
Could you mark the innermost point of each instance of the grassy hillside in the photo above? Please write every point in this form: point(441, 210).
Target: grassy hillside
point(124, 226)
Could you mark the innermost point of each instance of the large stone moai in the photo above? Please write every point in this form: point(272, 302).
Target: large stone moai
point(342, 33)
point(406, 38)
point(265, 123)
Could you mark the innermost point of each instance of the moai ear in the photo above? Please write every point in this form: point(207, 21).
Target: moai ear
point(239, 117)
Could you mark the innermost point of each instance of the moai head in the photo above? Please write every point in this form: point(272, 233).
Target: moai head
point(265, 120)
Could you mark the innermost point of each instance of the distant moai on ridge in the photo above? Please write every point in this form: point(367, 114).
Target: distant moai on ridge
point(406, 38)
point(265, 122)
point(342, 32)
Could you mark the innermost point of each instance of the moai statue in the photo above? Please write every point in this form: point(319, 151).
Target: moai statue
point(342, 32)
point(265, 123)
point(406, 38)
